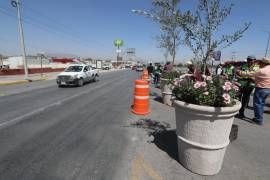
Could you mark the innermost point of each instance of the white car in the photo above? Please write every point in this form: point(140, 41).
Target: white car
point(139, 68)
point(76, 75)
point(106, 66)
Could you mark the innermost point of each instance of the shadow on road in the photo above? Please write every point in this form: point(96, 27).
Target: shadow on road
point(155, 96)
point(164, 138)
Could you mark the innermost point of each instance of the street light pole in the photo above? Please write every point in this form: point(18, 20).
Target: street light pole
point(17, 5)
point(267, 44)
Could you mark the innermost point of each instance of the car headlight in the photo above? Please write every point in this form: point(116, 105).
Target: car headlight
point(74, 77)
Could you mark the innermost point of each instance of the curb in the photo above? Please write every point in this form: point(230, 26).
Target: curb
point(22, 81)
point(13, 82)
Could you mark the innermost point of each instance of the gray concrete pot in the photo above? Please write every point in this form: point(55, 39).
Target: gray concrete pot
point(167, 98)
point(166, 91)
point(203, 135)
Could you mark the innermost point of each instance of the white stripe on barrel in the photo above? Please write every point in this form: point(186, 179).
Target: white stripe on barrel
point(142, 86)
point(141, 97)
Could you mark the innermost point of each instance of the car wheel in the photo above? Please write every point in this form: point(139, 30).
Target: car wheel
point(80, 82)
point(60, 86)
point(95, 78)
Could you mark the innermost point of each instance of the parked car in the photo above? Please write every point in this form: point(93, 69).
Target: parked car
point(106, 66)
point(77, 75)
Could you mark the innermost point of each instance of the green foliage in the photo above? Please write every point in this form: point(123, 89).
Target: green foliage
point(171, 75)
point(201, 27)
point(217, 92)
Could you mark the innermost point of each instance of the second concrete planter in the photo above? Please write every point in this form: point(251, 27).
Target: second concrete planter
point(166, 91)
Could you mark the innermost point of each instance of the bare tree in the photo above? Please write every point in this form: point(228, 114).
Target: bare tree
point(164, 42)
point(168, 14)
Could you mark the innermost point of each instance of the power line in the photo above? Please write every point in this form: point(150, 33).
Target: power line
point(60, 23)
point(48, 28)
point(65, 27)
point(42, 27)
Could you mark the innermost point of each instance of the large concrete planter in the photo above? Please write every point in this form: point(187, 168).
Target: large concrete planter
point(166, 91)
point(203, 135)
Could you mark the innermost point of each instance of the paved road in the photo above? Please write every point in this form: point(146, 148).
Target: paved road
point(66, 133)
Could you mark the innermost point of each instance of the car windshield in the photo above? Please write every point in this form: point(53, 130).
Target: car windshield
point(74, 69)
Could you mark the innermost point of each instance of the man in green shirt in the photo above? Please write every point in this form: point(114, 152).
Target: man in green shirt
point(247, 85)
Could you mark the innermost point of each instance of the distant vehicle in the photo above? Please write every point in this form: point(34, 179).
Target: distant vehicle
point(106, 66)
point(134, 67)
point(139, 68)
point(127, 66)
point(4, 66)
point(77, 75)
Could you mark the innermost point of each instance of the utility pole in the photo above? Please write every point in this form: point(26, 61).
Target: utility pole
point(1, 60)
point(17, 5)
point(267, 44)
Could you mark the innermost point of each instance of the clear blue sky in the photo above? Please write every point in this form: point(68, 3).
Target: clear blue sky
point(89, 27)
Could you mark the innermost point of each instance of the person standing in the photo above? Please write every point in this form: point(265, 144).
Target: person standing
point(219, 70)
point(247, 85)
point(157, 74)
point(168, 66)
point(262, 90)
point(150, 70)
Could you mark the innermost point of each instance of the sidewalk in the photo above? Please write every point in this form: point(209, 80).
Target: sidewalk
point(20, 79)
point(155, 148)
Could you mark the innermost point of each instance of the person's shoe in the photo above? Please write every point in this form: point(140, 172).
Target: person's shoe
point(257, 122)
point(240, 116)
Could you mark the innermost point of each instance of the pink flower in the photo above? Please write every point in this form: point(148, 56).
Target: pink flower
point(178, 82)
point(203, 84)
point(197, 85)
point(227, 98)
point(236, 88)
point(206, 93)
point(227, 88)
point(228, 83)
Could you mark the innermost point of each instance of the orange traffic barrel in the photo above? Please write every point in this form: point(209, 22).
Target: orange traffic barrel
point(145, 75)
point(141, 98)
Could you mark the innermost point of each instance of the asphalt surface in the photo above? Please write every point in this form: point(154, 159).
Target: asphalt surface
point(66, 133)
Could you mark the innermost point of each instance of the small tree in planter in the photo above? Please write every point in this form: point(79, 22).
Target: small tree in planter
point(201, 29)
point(205, 109)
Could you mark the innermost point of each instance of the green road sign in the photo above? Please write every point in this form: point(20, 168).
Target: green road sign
point(118, 42)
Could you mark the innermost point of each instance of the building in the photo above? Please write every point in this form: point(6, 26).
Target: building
point(16, 62)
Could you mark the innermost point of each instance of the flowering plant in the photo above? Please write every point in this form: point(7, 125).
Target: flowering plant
point(217, 92)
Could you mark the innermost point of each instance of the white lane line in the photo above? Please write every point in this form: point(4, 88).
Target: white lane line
point(39, 110)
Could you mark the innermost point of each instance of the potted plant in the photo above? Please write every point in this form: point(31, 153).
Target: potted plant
point(166, 85)
point(205, 109)
point(204, 117)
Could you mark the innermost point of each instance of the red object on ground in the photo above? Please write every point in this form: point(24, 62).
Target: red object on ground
point(141, 98)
